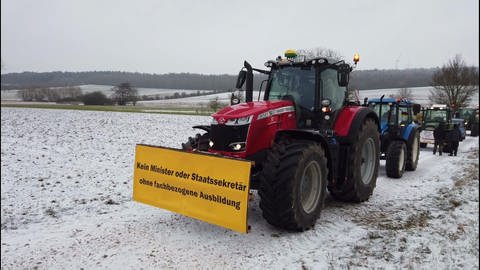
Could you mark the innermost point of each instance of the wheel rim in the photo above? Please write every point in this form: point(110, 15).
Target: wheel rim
point(415, 149)
point(401, 160)
point(368, 160)
point(310, 186)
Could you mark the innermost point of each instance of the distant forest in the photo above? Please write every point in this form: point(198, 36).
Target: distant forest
point(360, 79)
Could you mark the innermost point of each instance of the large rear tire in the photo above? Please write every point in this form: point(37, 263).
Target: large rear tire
point(362, 166)
point(293, 185)
point(396, 160)
point(413, 153)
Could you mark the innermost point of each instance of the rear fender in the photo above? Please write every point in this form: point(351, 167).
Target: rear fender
point(349, 121)
point(330, 149)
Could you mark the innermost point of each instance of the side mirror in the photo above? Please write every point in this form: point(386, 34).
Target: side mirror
point(416, 108)
point(343, 74)
point(234, 100)
point(242, 75)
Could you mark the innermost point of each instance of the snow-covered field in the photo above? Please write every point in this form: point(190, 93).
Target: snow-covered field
point(419, 95)
point(12, 95)
point(66, 188)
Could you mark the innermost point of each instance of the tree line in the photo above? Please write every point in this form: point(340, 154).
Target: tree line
point(360, 79)
point(454, 84)
point(59, 94)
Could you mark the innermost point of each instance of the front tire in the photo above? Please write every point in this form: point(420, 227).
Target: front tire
point(362, 166)
point(293, 185)
point(395, 163)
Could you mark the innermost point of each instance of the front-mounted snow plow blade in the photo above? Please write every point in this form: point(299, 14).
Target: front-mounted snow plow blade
point(206, 187)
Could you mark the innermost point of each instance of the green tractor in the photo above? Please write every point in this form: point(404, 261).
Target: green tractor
point(470, 116)
point(432, 116)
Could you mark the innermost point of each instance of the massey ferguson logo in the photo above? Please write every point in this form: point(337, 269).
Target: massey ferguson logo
point(221, 120)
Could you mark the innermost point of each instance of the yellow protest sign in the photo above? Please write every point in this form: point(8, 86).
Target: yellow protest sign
point(205, 187)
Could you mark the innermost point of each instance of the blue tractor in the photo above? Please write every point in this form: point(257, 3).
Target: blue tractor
point(400, 135)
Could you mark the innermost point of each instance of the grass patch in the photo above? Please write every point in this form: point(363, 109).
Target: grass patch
point(131, 109)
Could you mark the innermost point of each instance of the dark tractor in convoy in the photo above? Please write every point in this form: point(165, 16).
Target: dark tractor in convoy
point(400, 135)
point(304, 137)
point(432, 117)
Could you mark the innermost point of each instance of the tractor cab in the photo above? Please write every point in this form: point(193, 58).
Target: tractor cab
point(436, 114)
point(316, 87)
point(432, 117)
point(395, 114)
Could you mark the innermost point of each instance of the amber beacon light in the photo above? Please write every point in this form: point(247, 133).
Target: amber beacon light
point(356, 58)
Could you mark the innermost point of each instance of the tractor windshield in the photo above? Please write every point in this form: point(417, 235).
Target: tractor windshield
point(385, 111)
point(435, 116)
point(298, 84)
point(404, 116)
point(465, 113)
point(293, 83)
point(389, 109)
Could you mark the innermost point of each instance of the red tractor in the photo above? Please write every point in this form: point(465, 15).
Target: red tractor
point(304, 138)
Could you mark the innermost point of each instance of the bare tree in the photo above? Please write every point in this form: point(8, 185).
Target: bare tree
point(124, 93)
point(51, 94)
point(25, 94)
point(33, 94)
point(321, 52)
point(454, 84)
point(69, 93)
point(404, 93)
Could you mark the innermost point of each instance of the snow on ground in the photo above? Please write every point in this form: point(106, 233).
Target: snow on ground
point(66, 188)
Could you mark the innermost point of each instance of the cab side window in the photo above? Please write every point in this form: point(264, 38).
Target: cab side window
point(404, 115)
point(331, 89)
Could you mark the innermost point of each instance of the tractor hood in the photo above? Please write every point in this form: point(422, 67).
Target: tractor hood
point(249, 109)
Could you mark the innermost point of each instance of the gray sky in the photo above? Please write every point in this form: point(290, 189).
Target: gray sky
point(214, 37)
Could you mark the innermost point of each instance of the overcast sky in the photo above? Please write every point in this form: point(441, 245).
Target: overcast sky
point(214, 37)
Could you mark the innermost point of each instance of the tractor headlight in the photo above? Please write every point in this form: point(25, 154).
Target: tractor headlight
point(264, 115)
point(237, 146)
point(239, 121)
